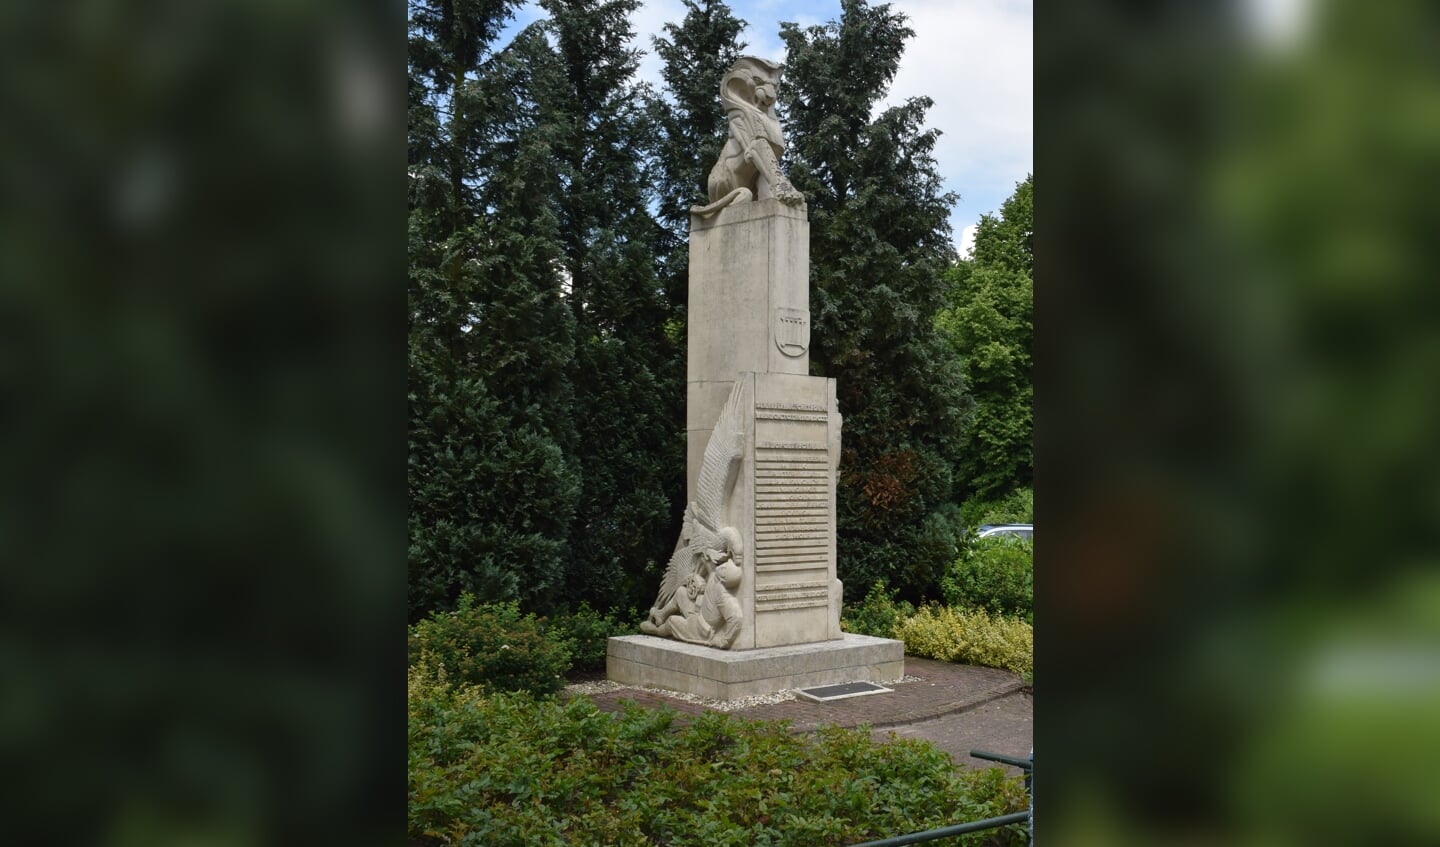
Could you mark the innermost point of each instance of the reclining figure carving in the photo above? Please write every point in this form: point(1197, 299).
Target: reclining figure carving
point(704, 610)
point(698, 599)
point(749, 164)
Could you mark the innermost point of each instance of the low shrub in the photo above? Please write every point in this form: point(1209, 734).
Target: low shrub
point(972, 637)
point(995, 573)
point(507, 769)
point(492, 646)
point(878, 614)
point(587, 631)
point(1016, 507)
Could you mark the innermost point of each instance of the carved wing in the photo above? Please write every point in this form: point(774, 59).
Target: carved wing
point(722, 460)
point(682, 565)
point(706, 514)
point(694, 540)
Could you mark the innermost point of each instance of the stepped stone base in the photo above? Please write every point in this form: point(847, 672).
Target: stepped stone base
point(646, 660)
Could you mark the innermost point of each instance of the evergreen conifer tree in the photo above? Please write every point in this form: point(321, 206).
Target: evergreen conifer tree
point(627, 374)
point(491, 487)
point(879, 247)
point(693, 127)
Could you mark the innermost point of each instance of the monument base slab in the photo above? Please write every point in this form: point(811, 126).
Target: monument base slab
point(652, 662)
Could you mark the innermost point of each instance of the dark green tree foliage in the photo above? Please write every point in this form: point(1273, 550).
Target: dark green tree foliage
point(692, 129)
point(628, 376)
point(491, 487)
point(879, 248)
point(990, 323)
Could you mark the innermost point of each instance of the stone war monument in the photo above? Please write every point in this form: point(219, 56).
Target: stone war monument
point(750, 603)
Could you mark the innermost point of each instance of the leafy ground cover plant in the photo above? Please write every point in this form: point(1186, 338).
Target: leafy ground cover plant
point(974, 637)
point(508, 769)
point(491, 645)
point(995, 573)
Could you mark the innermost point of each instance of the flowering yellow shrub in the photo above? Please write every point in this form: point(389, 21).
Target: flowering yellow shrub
point(973, 637)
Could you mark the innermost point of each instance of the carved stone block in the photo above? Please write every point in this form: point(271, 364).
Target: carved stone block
point(787, 487)
point(749, 308)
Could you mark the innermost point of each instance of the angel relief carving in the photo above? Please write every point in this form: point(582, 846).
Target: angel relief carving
point(749, 163)
point(698, 600)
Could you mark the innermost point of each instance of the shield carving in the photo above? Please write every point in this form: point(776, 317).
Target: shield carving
point(792, 331)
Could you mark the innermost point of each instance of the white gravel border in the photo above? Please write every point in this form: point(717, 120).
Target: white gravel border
point(607, 686)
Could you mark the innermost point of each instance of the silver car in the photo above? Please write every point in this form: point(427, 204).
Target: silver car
point(1018, 530)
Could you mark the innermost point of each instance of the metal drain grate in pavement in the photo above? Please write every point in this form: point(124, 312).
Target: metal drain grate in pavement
point(826, 693)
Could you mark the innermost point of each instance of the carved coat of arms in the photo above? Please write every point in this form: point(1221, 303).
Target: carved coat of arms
point(792, 331)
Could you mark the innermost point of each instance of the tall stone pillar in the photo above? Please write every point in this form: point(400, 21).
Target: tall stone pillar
point(749, 308)
point(750, 599)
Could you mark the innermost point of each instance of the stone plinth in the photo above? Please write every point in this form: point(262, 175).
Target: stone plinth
point(731, 674)
point(749, 308)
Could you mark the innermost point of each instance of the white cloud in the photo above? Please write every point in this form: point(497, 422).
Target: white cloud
point(1279, 24)
point(967, 240)
point(648, 21)
point(975, 59)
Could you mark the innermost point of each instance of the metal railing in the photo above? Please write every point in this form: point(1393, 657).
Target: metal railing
point(1026, 765)
point(947, 831)
point(1026, 817)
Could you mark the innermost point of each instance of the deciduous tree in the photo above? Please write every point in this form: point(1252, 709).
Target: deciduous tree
point(990, 324)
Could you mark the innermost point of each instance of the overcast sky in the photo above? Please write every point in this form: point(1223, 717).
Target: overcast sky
point(972, 57)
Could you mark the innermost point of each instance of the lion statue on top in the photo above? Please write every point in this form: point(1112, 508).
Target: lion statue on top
point(749, 165)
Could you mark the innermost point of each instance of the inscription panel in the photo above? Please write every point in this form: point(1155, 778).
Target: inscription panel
point(792, 506)
point(793, 510)
point(799, 573)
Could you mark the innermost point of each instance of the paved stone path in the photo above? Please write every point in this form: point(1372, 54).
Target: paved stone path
point(958, 707)
point(1002, 725)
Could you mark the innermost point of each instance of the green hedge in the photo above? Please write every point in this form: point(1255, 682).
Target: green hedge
point(508, 770)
